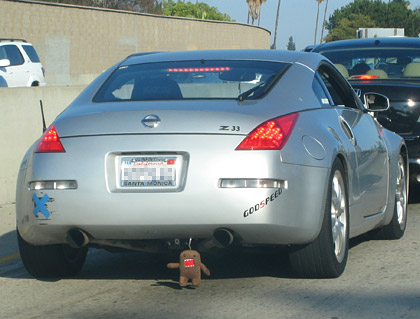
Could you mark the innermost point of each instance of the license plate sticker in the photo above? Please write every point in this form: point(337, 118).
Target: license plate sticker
point(148, 171)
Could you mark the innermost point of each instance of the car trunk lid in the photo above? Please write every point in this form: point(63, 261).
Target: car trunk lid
point(176, 117)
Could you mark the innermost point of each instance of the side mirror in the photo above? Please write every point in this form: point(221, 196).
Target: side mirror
point(375, 102)
point(4, 63)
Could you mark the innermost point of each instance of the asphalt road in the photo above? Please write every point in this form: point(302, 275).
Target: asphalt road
point(382, 280)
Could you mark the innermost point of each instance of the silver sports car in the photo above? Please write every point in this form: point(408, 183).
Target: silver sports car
point(213, 148)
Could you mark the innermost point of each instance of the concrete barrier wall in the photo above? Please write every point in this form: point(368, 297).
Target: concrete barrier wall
point(21, 125)
point(77, 43)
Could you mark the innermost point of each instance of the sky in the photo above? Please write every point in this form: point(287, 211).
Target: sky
point(297, 17)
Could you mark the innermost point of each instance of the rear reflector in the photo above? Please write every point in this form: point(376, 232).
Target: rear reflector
point(270, 135)
point(58, 185)
point(50, 142)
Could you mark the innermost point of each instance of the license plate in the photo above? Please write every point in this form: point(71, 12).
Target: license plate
point(148, 171)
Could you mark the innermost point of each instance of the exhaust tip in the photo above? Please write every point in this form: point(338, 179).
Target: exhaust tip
point(223, 236)
point(77, 238)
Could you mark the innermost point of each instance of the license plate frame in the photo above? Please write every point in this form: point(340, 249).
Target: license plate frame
point(149, 171)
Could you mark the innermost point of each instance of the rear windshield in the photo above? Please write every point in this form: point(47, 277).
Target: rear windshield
point(190, 80)
point(377, 64)
point(30, 51)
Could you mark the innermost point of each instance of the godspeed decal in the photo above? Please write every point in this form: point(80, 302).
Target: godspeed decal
point(263, 203)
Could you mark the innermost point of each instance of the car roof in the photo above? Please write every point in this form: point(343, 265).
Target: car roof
point(309, 48)
point(370, 43)
point(262, 55)
point(14, 41)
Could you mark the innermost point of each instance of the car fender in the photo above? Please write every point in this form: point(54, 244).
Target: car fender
point(396, 146)
point(318, 144)
point(23, 202)
point(34, 78)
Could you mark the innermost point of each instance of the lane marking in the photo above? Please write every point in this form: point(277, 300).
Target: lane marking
point(7, 258)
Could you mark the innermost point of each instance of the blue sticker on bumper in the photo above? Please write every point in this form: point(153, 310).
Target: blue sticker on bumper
point(40, 205)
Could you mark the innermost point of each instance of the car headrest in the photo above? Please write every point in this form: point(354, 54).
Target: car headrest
point(412, 70)
point(342, 69)
point(379, 73)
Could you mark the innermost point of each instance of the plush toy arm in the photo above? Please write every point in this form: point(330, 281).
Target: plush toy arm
point(205, 269)
point(173, 265)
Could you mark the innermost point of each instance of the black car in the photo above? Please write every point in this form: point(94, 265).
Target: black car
point(390, 66)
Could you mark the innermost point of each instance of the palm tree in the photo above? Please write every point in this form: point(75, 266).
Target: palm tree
point(277, 24)
point(323, 23)
point(254, 9)
point(317, 18)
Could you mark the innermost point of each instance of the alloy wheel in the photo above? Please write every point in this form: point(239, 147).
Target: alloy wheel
point(338, 216)
point(401, 194)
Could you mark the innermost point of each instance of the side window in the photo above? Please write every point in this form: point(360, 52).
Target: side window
point(13, 54)
point(2, 53)
point(30, 51)
point(340, 91)
point(320, 93)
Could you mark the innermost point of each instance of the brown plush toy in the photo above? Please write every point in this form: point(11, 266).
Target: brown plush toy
point(190, 267)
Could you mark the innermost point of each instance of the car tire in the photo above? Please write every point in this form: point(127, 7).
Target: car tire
point(51, 261)
point(396, 228)
point(326, 256)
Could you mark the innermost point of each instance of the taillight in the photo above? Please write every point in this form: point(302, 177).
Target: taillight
point(270, 135)
point(43, 71)
point(50, 142)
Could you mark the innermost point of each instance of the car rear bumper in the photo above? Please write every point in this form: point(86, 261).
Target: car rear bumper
point(290, 213)
point(254, 215)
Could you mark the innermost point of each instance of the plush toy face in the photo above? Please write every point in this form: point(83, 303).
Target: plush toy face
point(189, 259)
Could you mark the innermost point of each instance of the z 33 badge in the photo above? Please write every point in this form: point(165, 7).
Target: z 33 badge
point(232, 128)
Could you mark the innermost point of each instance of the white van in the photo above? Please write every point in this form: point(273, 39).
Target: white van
point(20, 64)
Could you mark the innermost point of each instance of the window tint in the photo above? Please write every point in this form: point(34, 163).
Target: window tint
point(341, 93)
point(376, 63)
point(30, 51)
point(3, 54)
point(319, 92)
point(180, 80)
point(13, 54)
point(337, 99)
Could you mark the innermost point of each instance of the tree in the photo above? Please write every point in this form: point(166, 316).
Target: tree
point(291, 46)
point(146, 6)
point(199, 10)
point(317, 17)
point(391, 14)
point(111, 4)
point(275, 28)
point(346, 28)
point(254, 9)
